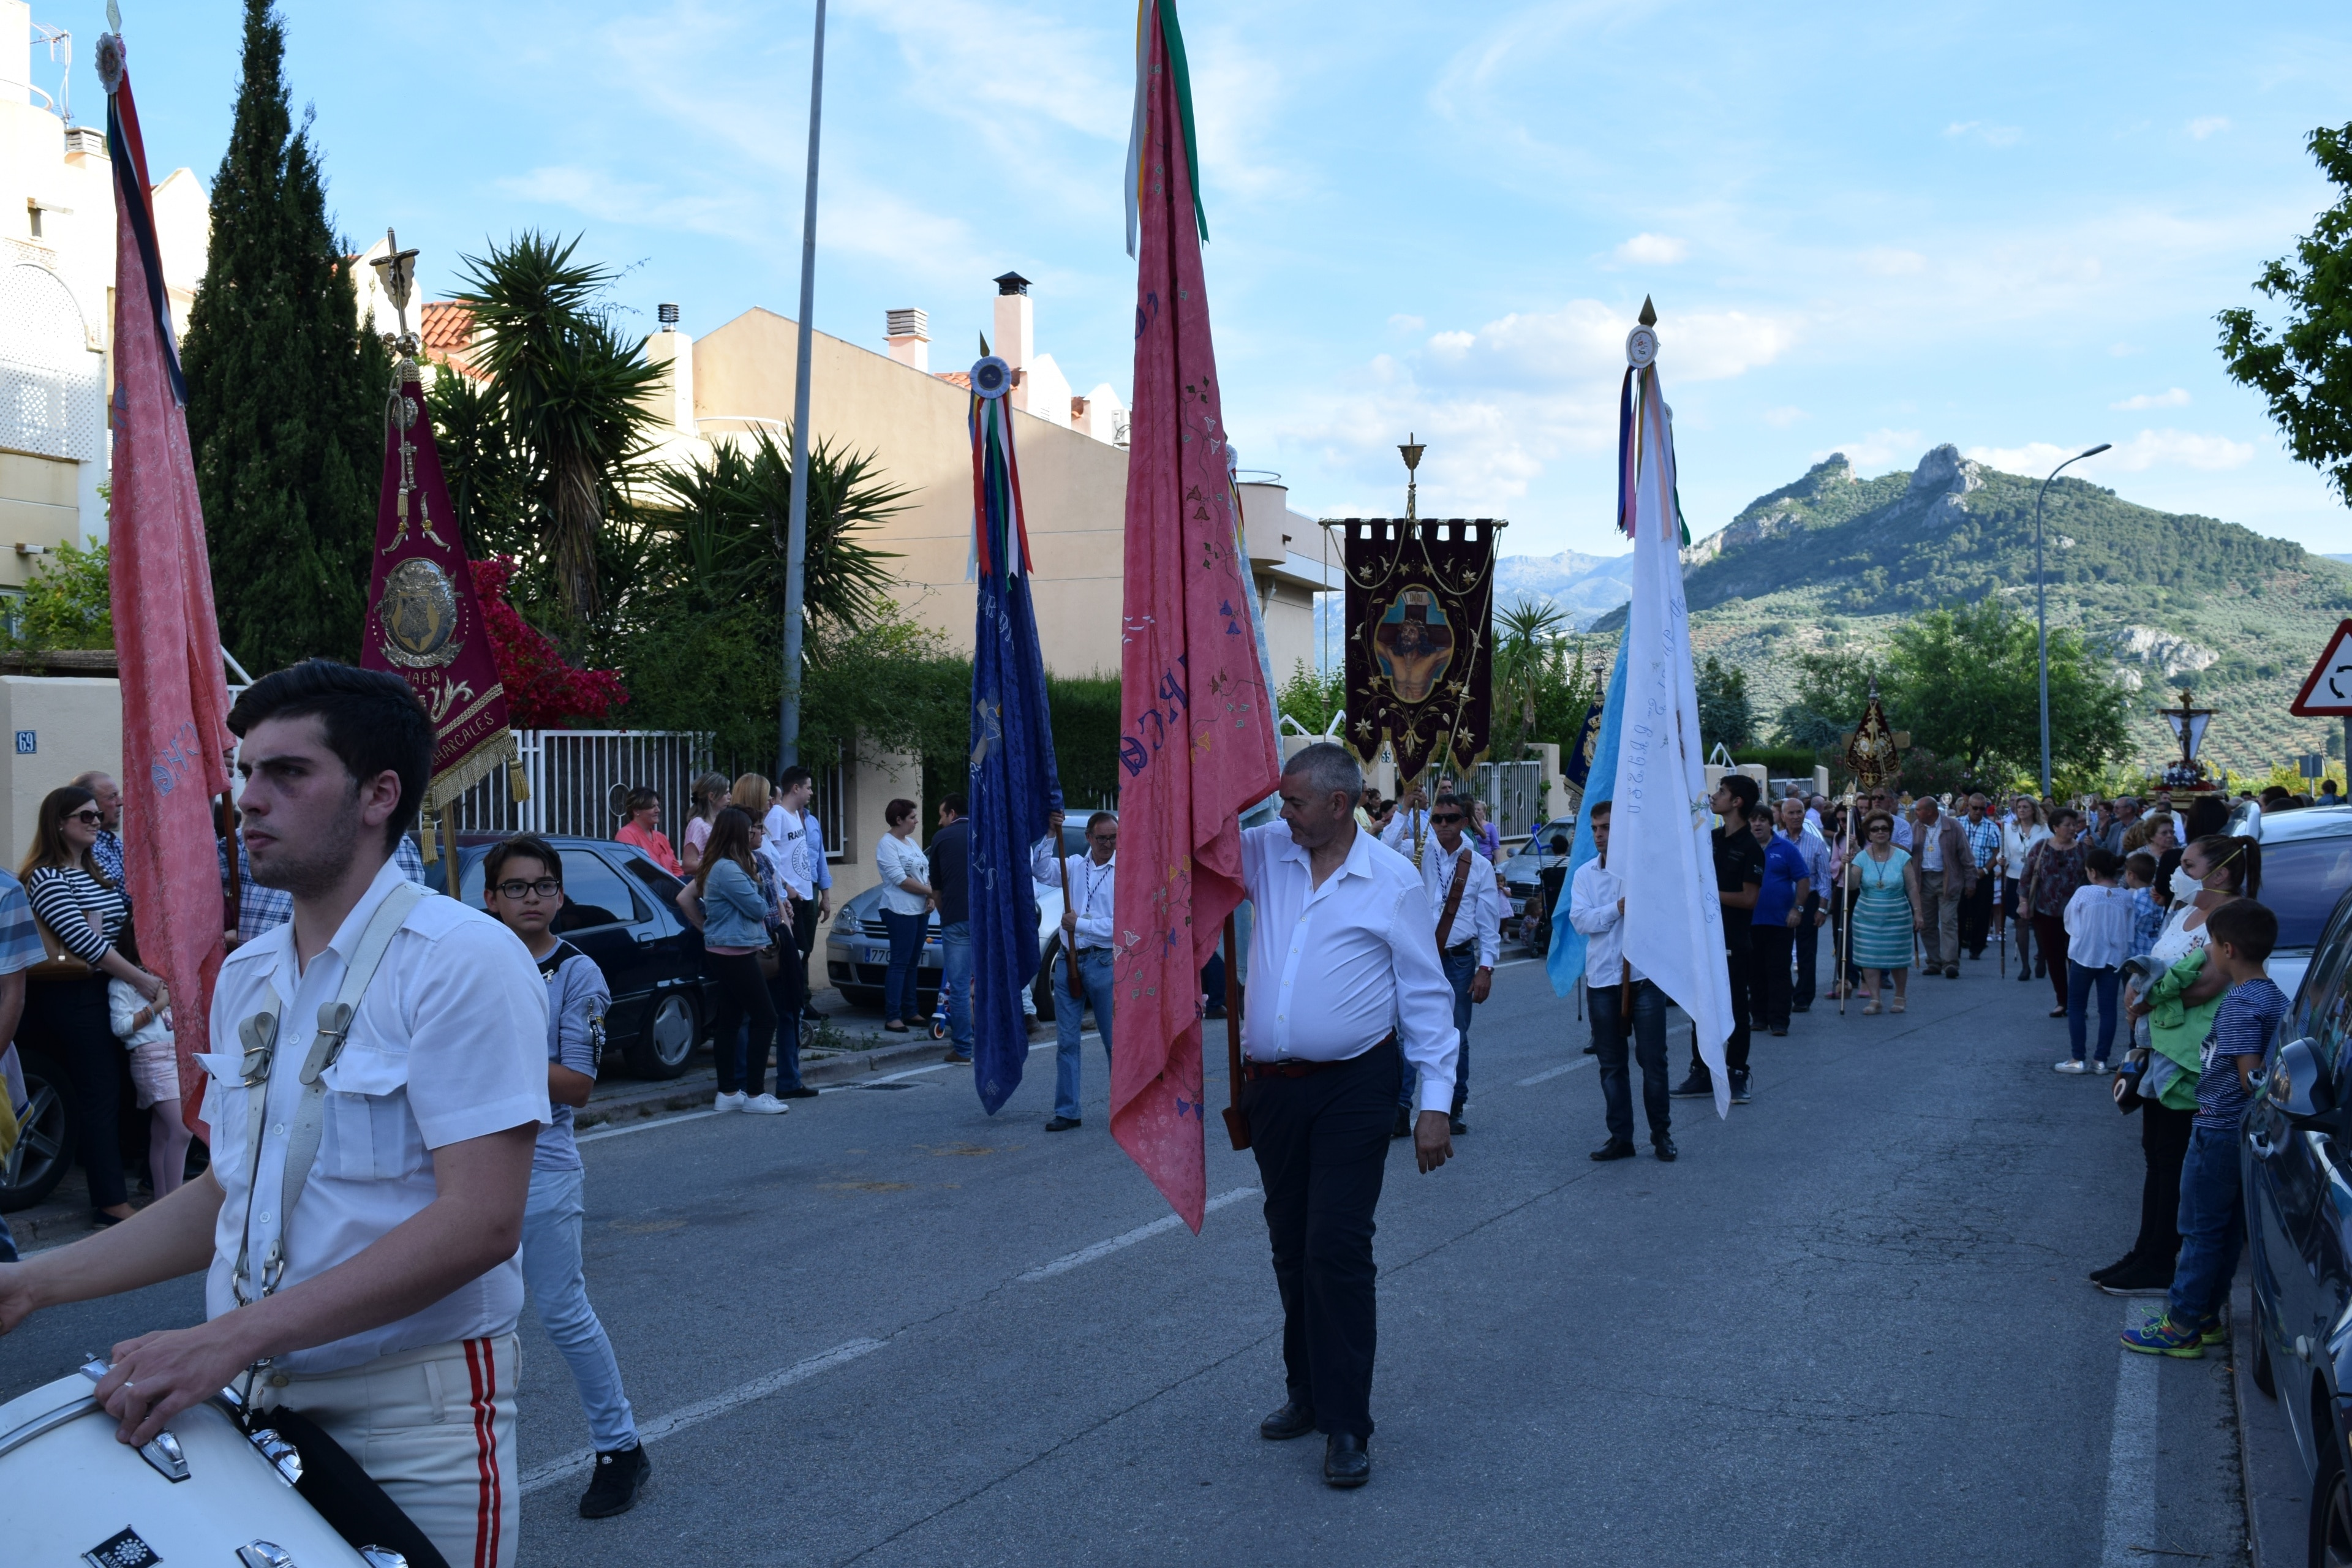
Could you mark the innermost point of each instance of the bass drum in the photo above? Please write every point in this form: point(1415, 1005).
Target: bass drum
point(82, 1497)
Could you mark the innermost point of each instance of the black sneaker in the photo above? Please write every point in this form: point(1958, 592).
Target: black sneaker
point(813, 1015)
point(2128, 1260)
point(620, 1476)
point(1698, 1086)
point(1739, 1089)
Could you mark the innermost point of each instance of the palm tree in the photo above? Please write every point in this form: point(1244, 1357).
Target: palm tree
point(569, 389)
point(1531, 632)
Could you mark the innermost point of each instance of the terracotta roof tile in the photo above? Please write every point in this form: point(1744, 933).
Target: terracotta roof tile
point(955, 378)
point(446, 330)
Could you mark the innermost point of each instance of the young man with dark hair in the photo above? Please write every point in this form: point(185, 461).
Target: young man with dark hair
point(1596, 906)
point(951, 860)
point(1469, 930)
point(522, 886)
point(2238, 936)
point(388, 1312)
point(799, 837)
point(1738, 881)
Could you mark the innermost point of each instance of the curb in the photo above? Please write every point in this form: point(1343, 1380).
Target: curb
point(2270, 1470)
point(693, 1091)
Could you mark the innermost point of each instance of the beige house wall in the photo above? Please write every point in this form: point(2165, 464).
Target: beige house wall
point(40, 509)
point(76, 725)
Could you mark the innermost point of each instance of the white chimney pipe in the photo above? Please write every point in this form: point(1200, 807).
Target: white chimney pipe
point(908, 334)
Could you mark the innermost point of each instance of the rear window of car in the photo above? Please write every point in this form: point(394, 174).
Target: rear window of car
point(2302, 880)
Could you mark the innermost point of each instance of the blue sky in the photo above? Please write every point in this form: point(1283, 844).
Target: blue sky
point(1867, 229)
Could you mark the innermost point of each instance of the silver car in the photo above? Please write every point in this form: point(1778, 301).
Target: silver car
point(2307, 871)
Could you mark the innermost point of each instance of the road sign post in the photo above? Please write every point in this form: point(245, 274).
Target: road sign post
point(2327, 690)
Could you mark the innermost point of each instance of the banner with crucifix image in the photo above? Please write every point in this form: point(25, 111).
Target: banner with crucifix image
point(1419, 639)
point(424, 623)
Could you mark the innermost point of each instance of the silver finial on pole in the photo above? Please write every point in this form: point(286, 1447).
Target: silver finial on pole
point(397, 270)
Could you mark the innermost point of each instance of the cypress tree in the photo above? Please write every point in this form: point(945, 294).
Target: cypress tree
point(286, 388)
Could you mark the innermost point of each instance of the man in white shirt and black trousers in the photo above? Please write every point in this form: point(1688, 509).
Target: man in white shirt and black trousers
point(1342, 972)
point(1469, 939)
point(1092, 879)
point(1596, 906)
point(385, 1313)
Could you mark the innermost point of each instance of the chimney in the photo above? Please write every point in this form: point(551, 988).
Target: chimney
point(667, 315)
point(908, 334)
point(1016, 330)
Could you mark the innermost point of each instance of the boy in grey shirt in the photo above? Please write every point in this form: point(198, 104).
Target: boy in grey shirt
point(522, 886)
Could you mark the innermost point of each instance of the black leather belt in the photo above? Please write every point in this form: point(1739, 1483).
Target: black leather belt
point(1292, 1066)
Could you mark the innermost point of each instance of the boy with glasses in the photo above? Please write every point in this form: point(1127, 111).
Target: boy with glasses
point(522, 886)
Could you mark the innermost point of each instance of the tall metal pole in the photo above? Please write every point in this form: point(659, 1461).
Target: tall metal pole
point(2042, 605)
point(788, 718)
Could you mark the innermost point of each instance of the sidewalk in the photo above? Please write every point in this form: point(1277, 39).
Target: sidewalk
point(2278, 1499)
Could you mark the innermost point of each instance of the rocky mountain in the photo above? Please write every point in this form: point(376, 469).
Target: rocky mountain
point(1582, 587)
point(1835, 561)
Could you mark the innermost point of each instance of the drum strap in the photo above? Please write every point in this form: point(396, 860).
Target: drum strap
point(259, 1034)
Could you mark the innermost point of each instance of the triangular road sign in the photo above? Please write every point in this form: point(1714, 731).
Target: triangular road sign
point(2327, 690)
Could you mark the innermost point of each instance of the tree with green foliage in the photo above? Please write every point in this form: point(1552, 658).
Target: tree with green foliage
point(1966, 683)
point(286, 387)
point(1726, 716)
point(1832, 694)
point(66, 605)
point(569, 418)
point(2305, 368)
point(1310, 698)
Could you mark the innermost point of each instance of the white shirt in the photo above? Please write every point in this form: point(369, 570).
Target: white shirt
point(788, 837)
point(1931, 854)
point(1094, 890)
point(1481, 914)
point(2015, 843)
point(449, 1044)
point(2098, 926)
point(1816, 851)
point(1402, 824)
point(898, 858)
point(1593, 910)
point(1902, 830)
point(1333, 969)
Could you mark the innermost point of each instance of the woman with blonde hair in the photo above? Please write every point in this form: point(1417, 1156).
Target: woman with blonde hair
point(709, 794)
point(83, 918)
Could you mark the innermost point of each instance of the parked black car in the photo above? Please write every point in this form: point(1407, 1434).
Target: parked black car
point(2295, 1157)
point(620, 909)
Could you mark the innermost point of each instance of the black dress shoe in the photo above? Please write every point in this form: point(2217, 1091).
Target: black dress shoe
point(1664, 1147)
point(1615, 1148)
point(1345, 1462)
point(1456, 1126)
point(1061, 1124)
point(1293, 1420)
point(1592, 1050)
point(804, 1092)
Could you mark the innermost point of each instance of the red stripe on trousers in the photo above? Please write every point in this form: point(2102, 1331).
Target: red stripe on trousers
point(481, 1366)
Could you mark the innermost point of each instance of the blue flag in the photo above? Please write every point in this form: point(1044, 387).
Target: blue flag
point(1014, 786)
point(1565, 962)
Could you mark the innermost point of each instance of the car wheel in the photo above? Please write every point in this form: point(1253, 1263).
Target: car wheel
point(665, 1044)
point(2331, 1511)
point(45, 1138)
point(1042, 988)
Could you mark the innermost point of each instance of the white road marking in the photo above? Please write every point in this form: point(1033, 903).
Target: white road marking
point(1086, 1255)
point(642, 1126)
point(1555, 1072)
point(2131, 1454)
point(543, 1476)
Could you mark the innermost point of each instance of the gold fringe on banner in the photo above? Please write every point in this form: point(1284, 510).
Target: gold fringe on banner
point(518, 786)
point(469, 769)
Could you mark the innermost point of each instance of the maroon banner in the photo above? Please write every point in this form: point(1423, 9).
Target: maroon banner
point(424, 622)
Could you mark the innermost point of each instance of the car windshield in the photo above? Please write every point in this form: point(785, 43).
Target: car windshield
point(2301, 881)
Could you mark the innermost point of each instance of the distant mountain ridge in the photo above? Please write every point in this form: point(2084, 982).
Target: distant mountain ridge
point(1832, 560)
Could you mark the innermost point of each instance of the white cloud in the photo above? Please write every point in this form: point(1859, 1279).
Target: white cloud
point(1781, 418)
point(1991, 135)
point(1584, 343)
point(2205, 125)
point(1654, 250)
point(1880, 450)
point(1404, 323)
point(1889, 262)
point(2148, 449)
point(2176, 398)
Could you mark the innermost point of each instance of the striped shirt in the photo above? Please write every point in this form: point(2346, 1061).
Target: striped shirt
point(2241, 1027)
point(1984, 841)
point(258, 908)
point(20, 938)
point(82, 913)
point(2148, 920)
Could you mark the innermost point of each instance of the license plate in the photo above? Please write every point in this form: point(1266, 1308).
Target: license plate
point(878, 955)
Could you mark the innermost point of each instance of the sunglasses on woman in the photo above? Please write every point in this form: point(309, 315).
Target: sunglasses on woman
point(87, 813)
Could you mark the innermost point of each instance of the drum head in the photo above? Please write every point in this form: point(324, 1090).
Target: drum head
point(99, 1497)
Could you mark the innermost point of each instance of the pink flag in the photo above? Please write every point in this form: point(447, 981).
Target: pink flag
point(1197, 741)
point(175, 739)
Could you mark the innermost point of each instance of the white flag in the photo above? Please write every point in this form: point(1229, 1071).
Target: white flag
point(1661, 828)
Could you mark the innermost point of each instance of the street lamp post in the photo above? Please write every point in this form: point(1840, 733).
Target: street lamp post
point(2042, 604)
point(787, 716)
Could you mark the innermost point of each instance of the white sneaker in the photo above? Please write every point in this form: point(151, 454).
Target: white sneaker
point(2070, 1065)
point(762, 1105)
point(2102, 1068)
point(726, 1102)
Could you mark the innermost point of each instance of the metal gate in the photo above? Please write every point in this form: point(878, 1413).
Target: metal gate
point(1514, 795)
point(573, 776)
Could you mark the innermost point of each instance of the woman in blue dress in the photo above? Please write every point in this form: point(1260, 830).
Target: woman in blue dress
point(1885, 912)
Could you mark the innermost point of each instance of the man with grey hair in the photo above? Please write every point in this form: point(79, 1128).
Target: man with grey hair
point(107, 796)
point(1345, 986)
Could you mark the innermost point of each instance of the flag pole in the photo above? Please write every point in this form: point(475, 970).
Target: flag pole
point(1070, 948)
point(1238, 1126)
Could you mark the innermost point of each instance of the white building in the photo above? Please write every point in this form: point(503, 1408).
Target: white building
point(57, 294)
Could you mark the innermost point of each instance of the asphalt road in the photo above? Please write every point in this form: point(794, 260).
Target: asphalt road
point(1849, 1326)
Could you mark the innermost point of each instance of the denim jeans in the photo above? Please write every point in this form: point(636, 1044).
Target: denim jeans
point(955, 983)
point(1094, 974)
point(906, 956)
point(551, 1268)
point(2212, 1223)
point(1461, 967)
point(1649, 1050)
point(2079, 982)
